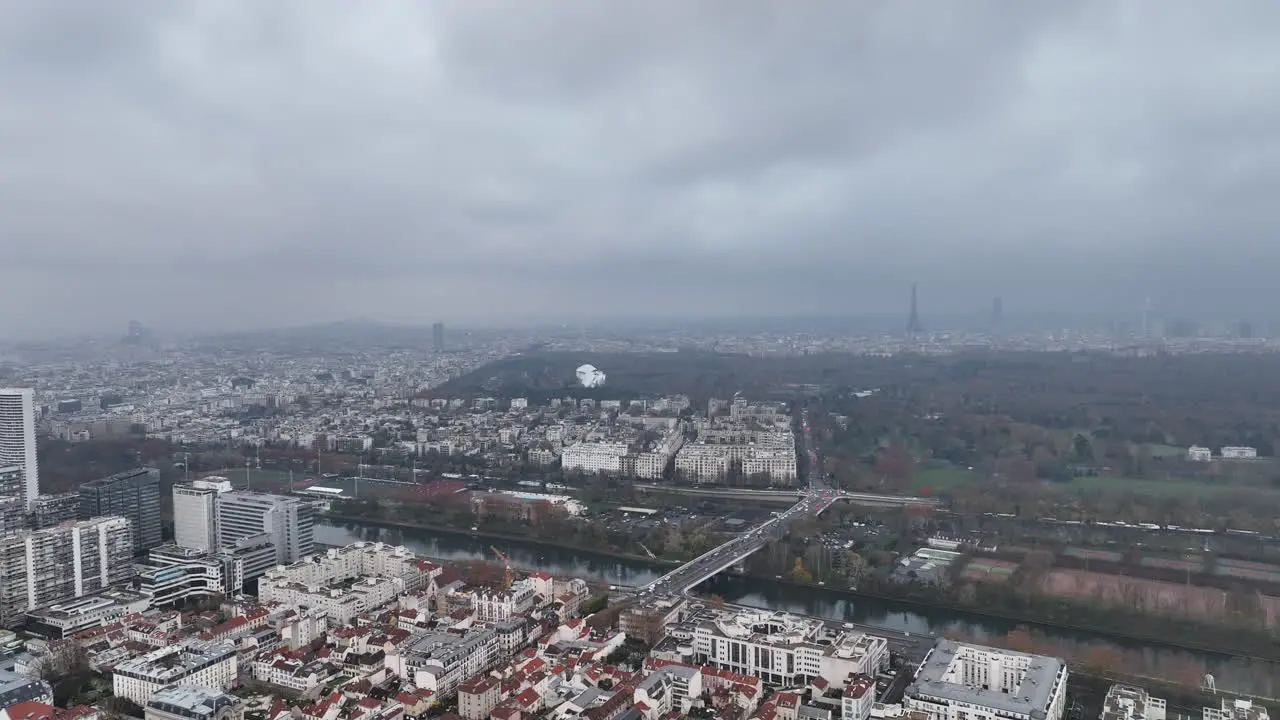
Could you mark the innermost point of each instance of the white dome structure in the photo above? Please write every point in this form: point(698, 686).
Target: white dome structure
point(590, 377)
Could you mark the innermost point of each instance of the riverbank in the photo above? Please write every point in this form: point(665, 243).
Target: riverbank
point(657, 563)
point(1171, 641)
point(1032, 621)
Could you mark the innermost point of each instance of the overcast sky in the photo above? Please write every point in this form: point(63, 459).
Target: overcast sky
point(250, 163)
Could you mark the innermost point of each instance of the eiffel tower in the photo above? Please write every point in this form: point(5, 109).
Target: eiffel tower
point(913, 321)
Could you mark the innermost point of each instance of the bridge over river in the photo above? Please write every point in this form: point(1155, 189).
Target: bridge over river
point(813, 502)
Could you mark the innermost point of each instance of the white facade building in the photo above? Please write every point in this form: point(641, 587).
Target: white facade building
point(958, 681)
point(207, 664)
point(1125, 702)
point(1195, 453)
point(440, 661)
point(497, 605)
point(785, 649)
point(288, 521)
point(1239, 453)
point(18, 438)
point(195, 512)
point(594, 457)
point(340, 605)
point(43, 567)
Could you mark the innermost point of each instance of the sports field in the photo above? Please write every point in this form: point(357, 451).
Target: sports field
point(987, 569)
point(1091, 554)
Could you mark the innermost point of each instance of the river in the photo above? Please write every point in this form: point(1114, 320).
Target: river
point(1231, 673)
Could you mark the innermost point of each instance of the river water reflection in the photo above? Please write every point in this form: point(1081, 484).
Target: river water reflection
point(1231, 673)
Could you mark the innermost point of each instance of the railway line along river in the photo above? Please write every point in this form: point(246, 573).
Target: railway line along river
point(1231, 673)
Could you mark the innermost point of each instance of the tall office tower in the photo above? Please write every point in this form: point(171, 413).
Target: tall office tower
point(913, 320)
point(42, 567)
point(195, 513)
point(288, 521)
point(18, 437)
point(437, 336)
point(133, 494)
point(997, 311)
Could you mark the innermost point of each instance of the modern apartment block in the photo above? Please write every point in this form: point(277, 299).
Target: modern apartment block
point(18, 438)
point(13, 514)
point(195, 512)
point(133, 494)
point(50, 510)
point(288, 521)
point(43, 567)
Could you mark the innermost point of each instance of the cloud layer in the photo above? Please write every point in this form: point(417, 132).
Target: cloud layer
point(230, 163)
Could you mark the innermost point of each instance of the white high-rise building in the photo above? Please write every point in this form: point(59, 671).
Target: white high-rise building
point(42, 567)
point(18, 437)
point(288, 521)
point(195, 512)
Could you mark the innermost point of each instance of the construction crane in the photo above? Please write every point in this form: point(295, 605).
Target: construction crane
point(506, 577)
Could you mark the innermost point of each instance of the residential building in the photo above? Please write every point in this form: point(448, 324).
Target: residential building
point(1237, 710)
point(1195, 453)
point(13, 514)
point(1126, 702)
point(959, 681)
point(16, 688)
point(594, 457)
point(44, 567)
point(134, 494)
point(478, 696)
point(66, 618)
point(1239, 453)
point(194, 662)
point(288, 521)
point(192, 702)
point(341, 605)
point(362, 559)
point(195, 512)
point(785, 649)
point(50, 510)
point(858, 697)
point(493, 605)
point(18, 438)
point(439, 661)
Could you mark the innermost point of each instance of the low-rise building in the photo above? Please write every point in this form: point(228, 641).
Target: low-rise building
point(439, 661)
point(64, 619)
point(194, 662)
point(959, 681)
point(192, 702)
point(1126, 702)
point(785, 649)
point(477, 697)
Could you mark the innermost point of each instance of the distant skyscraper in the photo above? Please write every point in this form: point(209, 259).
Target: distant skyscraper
point(133, 494)
point(437, 337)
point(913, 320)
point(18, 438)
point(1245, 330)
point(997, 311)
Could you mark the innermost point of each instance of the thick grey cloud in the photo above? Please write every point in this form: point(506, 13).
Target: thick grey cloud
point(229, 163)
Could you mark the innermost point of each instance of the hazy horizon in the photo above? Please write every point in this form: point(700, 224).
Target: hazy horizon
point(233, 165)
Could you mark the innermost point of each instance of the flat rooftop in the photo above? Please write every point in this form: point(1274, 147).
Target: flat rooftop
point(1031, 696)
